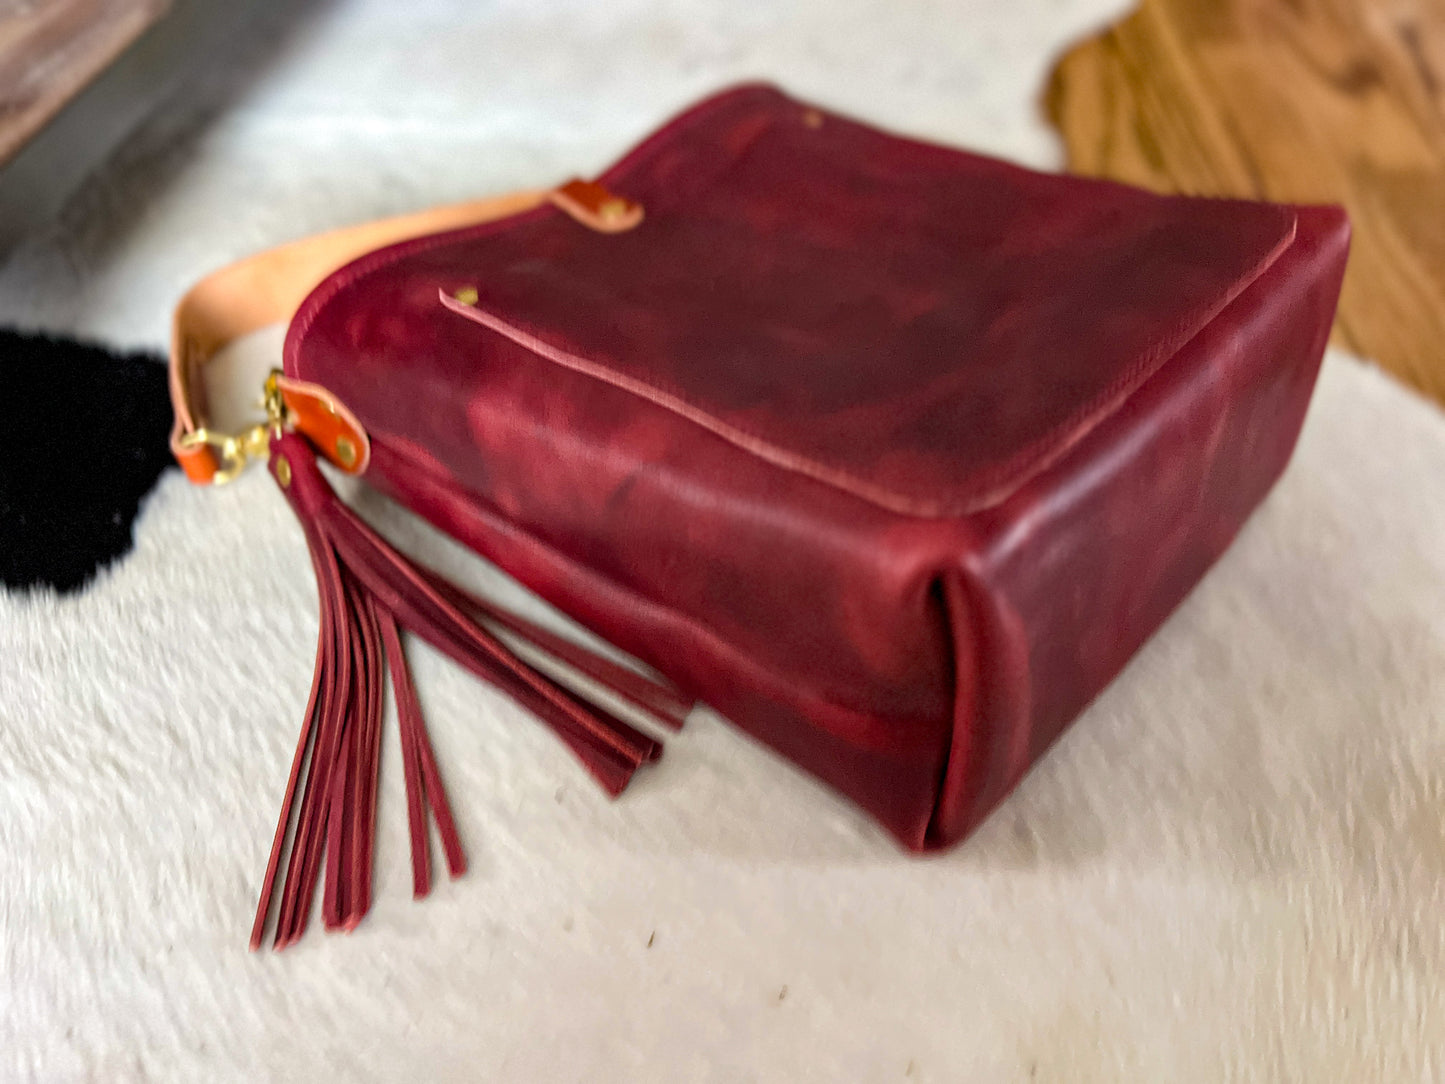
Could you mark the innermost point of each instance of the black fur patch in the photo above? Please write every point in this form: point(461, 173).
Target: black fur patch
point(83, 438)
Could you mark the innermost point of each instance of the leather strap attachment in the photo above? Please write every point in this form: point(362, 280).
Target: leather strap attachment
point(326, 423)
point(266, 289)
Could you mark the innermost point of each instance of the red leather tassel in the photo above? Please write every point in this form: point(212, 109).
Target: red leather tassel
point(368, 592)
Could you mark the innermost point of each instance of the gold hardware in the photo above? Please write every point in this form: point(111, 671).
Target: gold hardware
point(256, 441)
point(231, 449)
point(283, 471)
point(234, 449)
point(612, 210)
point(275, 405)
point(346, 452)
point(467, 295)
point(813, 119)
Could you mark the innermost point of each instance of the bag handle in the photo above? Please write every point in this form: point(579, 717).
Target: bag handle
point(266, 289)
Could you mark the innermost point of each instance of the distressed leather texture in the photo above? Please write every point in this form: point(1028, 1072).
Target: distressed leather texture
point(892, 454)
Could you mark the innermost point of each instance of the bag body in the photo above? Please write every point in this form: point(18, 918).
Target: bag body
point(890, 453)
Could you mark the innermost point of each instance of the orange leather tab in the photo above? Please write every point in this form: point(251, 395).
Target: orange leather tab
point(327, 424)
point(596, 207)
point(198, 461)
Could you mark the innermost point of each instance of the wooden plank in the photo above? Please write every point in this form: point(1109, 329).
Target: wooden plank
point(183, 36)
point(50, 51)
point(1339, 101)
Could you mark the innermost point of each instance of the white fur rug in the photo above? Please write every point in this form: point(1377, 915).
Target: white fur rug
point(1231, 868)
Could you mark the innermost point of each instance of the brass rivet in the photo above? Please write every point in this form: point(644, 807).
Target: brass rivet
point(346, 452)
point(612, 210)
point(283, 471)
point(813, 119)
point(467, 295)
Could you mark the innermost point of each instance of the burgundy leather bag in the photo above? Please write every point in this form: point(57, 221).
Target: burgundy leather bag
point(892, 454)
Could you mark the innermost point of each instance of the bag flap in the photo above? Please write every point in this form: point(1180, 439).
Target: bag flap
point(921, 327)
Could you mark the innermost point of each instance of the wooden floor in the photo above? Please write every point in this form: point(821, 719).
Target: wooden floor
point(1337, 101)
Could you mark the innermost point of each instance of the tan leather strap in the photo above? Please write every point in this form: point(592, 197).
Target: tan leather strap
point(266, 289)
